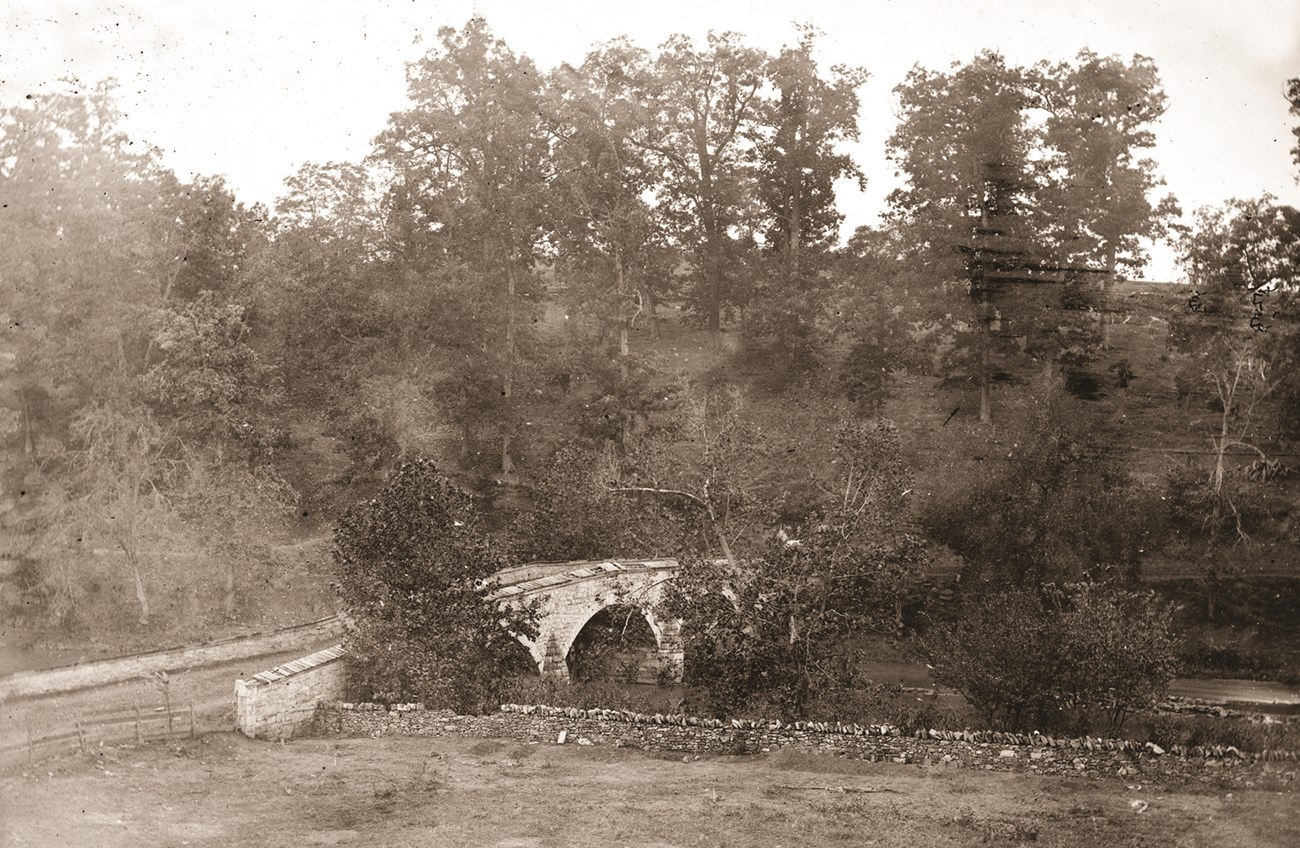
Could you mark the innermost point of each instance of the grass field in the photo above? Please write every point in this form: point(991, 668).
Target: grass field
point(224, 790)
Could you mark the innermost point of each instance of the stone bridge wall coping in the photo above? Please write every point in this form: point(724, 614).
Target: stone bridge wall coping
point(989, 750)
point(584, 571)
point(280, 702)
point(298, 666)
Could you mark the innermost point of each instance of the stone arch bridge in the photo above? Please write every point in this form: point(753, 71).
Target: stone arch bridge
point(574, 593)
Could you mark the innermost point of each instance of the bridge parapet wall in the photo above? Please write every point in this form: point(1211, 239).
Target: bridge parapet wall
point(281, 702)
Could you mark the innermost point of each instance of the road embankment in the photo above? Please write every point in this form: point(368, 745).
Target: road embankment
point(27, 684)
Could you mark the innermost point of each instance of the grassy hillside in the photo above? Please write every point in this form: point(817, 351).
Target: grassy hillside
point(283, 574)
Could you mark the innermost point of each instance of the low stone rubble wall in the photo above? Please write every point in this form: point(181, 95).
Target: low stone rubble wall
point(1089, 757)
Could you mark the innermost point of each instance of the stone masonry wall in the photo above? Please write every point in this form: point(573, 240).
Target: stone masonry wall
point(1038, 754)
point(281, 702)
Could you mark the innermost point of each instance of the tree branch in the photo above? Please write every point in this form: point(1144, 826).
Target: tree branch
point(656, 491)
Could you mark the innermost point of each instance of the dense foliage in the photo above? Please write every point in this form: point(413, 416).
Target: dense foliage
point(1023, 657)
point(1238, 351)
point(1057, 506)
point(772, 633)
point(414, 569)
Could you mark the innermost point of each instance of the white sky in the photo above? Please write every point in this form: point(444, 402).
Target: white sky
point(253, 90)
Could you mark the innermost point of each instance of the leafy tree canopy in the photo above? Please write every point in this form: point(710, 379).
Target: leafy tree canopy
point(769, 632)
point(414, 568)
point(1096, 202)
point(1293, 97)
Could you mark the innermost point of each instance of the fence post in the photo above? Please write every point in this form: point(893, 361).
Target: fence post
point(139, 737)
point(192, 719)
point(169, 718)
point(29, 741)
point(81, 734)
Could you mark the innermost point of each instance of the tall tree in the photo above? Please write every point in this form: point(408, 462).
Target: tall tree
point(338, 202)
point(698, 105)
point(319, 314)
point(211, 238)
point(800, 136)
point(1242, 345)
point(83, 229)
point(1096, 195)
point(609, 241)
point(1240, 246)
point(962, 145)
point(81, 238)
point(1293, 98)
point(470, 160)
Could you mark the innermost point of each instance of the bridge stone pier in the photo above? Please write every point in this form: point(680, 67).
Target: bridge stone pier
point(574, 593)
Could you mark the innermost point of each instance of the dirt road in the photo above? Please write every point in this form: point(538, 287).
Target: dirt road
point(211, 689)
point(225, 790)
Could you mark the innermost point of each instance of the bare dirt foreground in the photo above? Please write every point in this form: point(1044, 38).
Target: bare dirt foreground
point(409, 791)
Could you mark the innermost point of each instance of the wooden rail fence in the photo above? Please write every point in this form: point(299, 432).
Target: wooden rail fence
point(84, 731)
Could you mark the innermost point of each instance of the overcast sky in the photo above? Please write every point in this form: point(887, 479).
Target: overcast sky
point(253, 90)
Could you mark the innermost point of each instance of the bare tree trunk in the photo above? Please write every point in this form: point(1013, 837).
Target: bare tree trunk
point(228, 598)
point(725, 545)
point(507, 378)
point(986, 413)
point(713, 270)
point(652, 315)
point(133, 560)
point(621, 286)
point(1107, 317)
point(712, 236)
point(794, 208)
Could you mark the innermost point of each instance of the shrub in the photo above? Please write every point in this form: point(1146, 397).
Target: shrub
point(1025, 657)
point(1002, 654)
point(1118, 649)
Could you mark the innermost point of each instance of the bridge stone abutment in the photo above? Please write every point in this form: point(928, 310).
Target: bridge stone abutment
point(574, 593)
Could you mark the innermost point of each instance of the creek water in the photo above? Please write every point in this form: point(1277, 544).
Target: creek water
point(1260, 695)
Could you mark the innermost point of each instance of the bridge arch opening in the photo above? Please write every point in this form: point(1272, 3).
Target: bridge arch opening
point(617, 643)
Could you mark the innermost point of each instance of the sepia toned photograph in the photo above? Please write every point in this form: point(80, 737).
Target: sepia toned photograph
point(665, 425)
